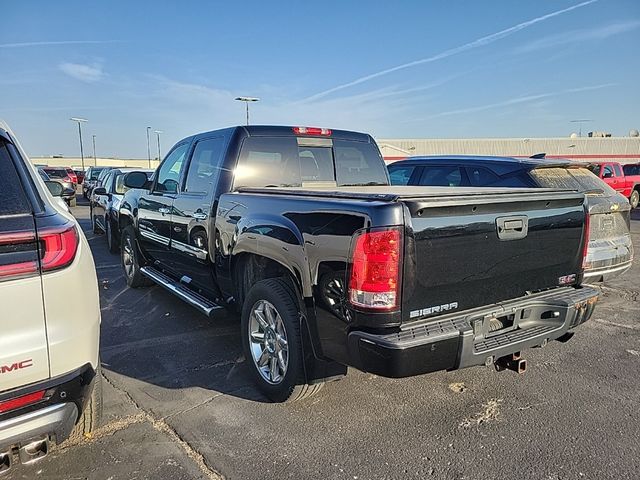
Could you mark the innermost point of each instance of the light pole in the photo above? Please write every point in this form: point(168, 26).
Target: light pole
point(80, 121)
point(93, 137)
point(158, 132)
point(148, 147)
point(246, 101)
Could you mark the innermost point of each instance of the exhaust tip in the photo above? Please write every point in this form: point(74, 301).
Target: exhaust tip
point(34, 451)
point(5, 461)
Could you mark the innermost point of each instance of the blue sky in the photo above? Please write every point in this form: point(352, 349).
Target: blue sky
point(394, 69)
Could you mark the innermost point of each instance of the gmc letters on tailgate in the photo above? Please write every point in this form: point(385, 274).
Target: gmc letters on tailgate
point(16, 366)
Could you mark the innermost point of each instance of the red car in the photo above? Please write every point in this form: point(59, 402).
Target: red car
point(72, 175)
point(79, 174)
point(624, 179)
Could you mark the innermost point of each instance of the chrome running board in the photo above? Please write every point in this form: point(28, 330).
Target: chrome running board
point(205, 305)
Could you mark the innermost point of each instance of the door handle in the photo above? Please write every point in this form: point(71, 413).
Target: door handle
point(163, 210)
point(199, 216)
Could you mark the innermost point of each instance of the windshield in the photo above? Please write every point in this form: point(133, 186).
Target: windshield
point(288, 162)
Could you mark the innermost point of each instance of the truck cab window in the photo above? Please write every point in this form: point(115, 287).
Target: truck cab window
point(204, 168)
point(169, 172)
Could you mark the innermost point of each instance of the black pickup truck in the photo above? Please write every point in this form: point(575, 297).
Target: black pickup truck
point(299, 230)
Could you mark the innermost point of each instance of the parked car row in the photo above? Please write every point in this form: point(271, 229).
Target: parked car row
point(105, 204)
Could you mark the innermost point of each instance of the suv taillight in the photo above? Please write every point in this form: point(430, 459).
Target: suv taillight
point(59, 246)
point(374, 280)
point(18, 240)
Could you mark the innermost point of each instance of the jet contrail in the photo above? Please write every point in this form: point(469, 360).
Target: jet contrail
point(62, 42)
point(480, 42)
point(523, 99)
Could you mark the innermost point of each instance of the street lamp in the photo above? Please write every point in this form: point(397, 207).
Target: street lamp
point(158, 132)
point(95, 162)
point(246, 101)
point(148, 147)
point(80, 121)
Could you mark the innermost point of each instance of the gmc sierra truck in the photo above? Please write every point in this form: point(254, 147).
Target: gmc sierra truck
point(298, 229)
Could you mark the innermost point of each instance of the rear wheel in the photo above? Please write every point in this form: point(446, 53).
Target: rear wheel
point(130, 257)
point(90, 417)
point(272, 343)
point(634, 200)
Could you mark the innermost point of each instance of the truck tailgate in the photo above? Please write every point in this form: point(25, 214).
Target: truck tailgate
point(466, 251)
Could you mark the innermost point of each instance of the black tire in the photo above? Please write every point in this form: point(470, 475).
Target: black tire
point(634, 200)
point(291, 387)
point(130, 257)
point(112, 241)
point(90, 417)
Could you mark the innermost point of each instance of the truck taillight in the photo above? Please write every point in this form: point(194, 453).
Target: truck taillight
point(59, 246)
point(585, 248)
point(325, 132)
point(376, 257)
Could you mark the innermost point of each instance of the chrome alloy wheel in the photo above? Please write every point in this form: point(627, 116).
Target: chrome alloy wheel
point(268, 342)
point(127, 256)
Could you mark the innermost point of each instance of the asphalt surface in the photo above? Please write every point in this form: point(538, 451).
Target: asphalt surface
point(179, 404)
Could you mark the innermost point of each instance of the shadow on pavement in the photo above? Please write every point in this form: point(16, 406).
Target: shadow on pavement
point(154, 338)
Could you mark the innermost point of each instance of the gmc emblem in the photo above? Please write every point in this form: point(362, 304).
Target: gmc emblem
point(16, 366)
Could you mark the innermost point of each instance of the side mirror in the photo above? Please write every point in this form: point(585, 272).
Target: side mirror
point(55, 188)
point(100, 191)
point(135, 180)
point(607, 175)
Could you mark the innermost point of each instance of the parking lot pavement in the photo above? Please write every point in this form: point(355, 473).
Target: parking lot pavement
point(180, 404)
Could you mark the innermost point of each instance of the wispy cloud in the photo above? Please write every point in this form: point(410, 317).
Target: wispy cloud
point(579, 36)
point(522, 99)
point(82, 72)
point(480, 42)
point(53, 43)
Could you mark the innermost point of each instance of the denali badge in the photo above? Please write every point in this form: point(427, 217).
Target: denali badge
point(435, 309)
point(16, 366)
point(567, 279)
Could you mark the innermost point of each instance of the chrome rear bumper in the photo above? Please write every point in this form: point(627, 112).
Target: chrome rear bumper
point(55, 420)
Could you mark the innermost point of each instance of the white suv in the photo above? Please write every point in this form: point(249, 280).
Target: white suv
point(50, 383)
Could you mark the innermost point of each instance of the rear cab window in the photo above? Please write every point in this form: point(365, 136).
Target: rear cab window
point(297, 161)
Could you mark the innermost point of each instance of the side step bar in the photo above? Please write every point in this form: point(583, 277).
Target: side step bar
point(192, 298)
